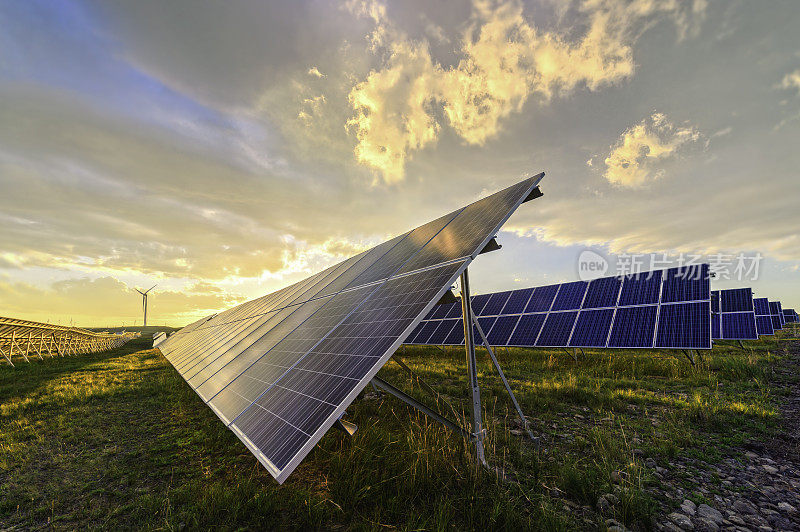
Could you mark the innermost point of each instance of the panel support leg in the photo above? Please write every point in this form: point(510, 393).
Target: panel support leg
point(572, 353)
point(689, 355)
point(475, 391)
point(383, 385)
point(425, 386)
point(522, 418)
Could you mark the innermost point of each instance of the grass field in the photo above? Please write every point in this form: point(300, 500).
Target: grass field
point(118, 440)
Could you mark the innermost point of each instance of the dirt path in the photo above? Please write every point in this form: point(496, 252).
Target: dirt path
point(757, 491)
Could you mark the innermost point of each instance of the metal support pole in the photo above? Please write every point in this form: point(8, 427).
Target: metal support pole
point(383, 385)
point(571, 353)
point(689, 355)
point(425, 386)
point(469, 345)
point(522, 417)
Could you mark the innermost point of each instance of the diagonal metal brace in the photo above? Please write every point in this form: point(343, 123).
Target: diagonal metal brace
point(385, 386)
point(522, 417)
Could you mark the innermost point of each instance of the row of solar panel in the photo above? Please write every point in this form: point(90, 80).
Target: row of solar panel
point(662, 308)
point(625, 327)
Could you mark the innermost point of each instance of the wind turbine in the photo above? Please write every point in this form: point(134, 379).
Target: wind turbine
point(144, 301)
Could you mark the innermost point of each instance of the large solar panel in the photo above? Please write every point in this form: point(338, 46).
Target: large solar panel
point(281, 369)
point(733, 315)
point(789, 315)
point(663, 309)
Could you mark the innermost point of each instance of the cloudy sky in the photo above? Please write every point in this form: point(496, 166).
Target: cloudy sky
point(224, 149)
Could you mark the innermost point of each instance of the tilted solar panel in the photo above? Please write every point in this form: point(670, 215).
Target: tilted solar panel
point(733, 315)
point(281, 369)
point(789, 315)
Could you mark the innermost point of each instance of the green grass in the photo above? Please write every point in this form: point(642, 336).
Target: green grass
point(118, 440)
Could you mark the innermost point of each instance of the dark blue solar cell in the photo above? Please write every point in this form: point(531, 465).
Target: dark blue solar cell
point(486, 325)
point(686, 283)
point(557, 329)
point(442, 331)
point(761, 304)
point(773, 307)
point(455, 311)
point(440, 311)
point(602, 292)
point(640, 289)
point(739, 326)
point(780, 313)
point(591, 329)
point(570, 296)
point(456, 336)
point(716, 326)
point(684, 326)
point(478, 302)
point(495, 304)
point(426, 332)
point(415, 332)
point(764, 326)
point(776, 323)
point(527, 330)
point(502, 330)
point(633, 326)
point(516, 303)
point(737, 300)
point(542, 298)
point(790, 315)
point(715, 302)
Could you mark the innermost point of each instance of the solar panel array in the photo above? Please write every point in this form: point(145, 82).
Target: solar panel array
point(790, 316)
point(658, 309)
point(281, 369)
point(733, 315)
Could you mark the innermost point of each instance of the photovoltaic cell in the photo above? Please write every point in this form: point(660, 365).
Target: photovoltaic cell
point(737, 300)
point(686, 283)
point(739, 326)
point(478, 302)
point(517, 302)
point(557, 329)
point(761, 306)
point(592, 328)
point(641, 289)
point(282, 368)
point(633, 326)
point(570, 296)
point(542, 299)
point(684, 326)
point(456, 336)
point(502, 329)
point(527, 330)
point(495, 304)
point(716, 326)
point(764, 326)
point(602, 292)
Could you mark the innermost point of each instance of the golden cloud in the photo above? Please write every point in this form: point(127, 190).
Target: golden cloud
point(632, 160)
point(401, 107)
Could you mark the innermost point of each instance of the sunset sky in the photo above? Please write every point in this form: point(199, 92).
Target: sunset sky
point(225, 149)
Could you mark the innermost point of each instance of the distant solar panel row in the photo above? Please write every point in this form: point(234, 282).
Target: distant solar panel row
point(662, 308)
point(733, 315)
point(790, 316)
